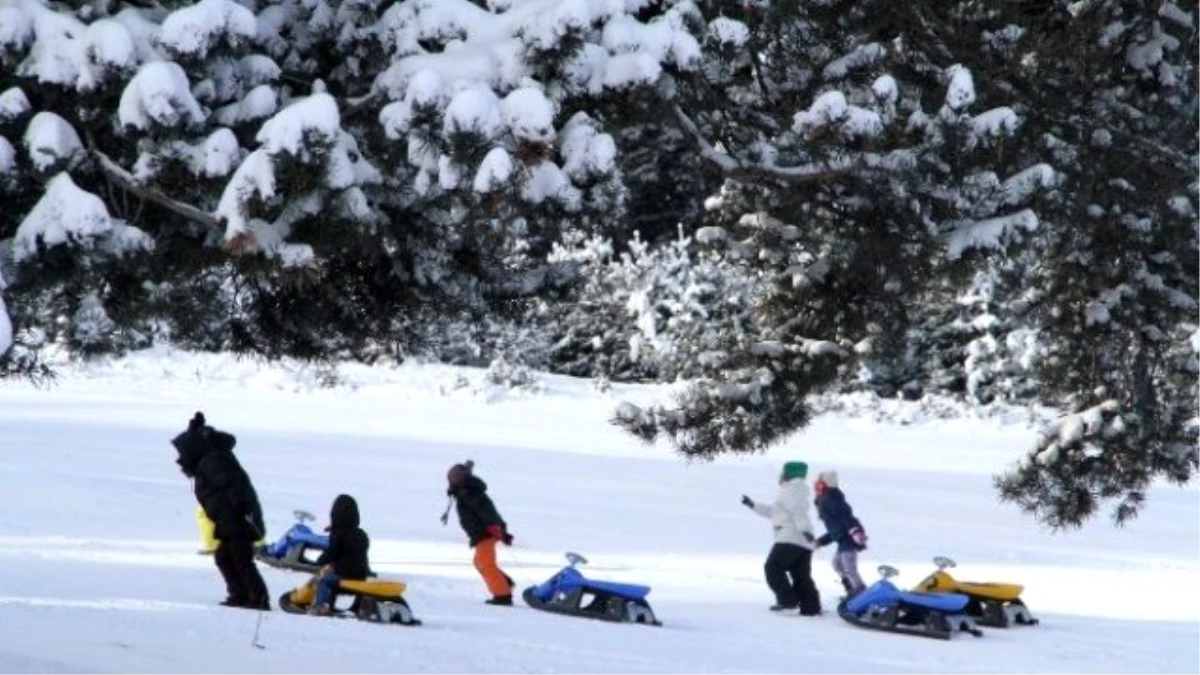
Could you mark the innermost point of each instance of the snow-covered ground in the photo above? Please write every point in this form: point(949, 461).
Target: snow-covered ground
point(98, 570)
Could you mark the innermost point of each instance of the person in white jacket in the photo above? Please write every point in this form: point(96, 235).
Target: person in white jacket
point(789, 564)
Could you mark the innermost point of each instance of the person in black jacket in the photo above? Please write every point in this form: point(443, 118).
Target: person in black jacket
point(229, 500)
point(346, 557)
point(484, 527)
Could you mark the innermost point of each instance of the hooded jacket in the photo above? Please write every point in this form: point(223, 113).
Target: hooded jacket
point(835, 512)
point(348, 543)
point(475, 508)
point(789, 514)
point(221, 485)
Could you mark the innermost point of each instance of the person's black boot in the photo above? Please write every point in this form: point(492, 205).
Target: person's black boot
point(500, 600)
point(263, 604)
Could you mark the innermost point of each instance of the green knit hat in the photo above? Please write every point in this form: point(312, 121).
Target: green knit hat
point(795, 470)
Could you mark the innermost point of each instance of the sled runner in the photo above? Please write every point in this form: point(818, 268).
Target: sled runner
point(883, 607)
point(569, 592)
point(297, 549)
point(374, 600)
point(997, 605)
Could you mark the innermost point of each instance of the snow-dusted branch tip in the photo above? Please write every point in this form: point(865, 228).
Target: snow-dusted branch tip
point(754, 172)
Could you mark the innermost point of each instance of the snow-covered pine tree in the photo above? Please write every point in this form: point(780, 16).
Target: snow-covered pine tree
point(180, 137)
point(848, 191)
point(650, 313)
point(1112, 92)
point(496, 151)
point(58, 65)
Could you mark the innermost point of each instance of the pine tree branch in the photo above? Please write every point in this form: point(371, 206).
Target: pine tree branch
point(757, 172)
point(126, 180)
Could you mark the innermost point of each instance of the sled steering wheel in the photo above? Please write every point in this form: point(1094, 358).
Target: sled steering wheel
point(943, 562)
point(575, 559)
point(887, 571)
point(302, 516)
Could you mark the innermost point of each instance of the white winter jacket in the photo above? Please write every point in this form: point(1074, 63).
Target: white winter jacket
point(789, 514)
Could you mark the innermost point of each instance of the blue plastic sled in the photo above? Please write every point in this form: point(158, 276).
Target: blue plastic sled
point(296, 548)
point(570, 592)
point(884, 607)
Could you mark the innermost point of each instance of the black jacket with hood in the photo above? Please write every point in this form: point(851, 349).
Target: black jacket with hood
point(220, 483)
point(348, 543)
point(475, 508)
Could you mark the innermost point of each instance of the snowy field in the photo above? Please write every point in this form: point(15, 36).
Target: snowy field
point(98, 570)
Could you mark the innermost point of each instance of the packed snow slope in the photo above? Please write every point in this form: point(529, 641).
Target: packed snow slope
point(99, 571)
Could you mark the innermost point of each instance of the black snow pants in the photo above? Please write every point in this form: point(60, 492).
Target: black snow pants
point(789, 574)
point(243, 584)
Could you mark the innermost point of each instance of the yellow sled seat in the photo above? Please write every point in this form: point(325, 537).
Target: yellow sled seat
point(1002, 592)
point(374, 587)
point(940, 582)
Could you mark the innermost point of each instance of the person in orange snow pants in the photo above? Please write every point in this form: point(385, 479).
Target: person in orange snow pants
point(484, 527)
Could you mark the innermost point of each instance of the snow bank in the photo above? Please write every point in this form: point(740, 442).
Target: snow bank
point(159, 95)
point(64, 214)
point(51, 141)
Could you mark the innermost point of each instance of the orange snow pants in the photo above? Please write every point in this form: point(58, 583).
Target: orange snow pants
point(485, 562)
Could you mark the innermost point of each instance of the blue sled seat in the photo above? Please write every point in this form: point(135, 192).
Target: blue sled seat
point(298, 534)
point(885, 594)
point(570, 580)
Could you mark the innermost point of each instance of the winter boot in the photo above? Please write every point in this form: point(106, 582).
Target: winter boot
point(319, 609)
point(233, 602)
point(261, 604)
point(782, 607)
point(500, 600)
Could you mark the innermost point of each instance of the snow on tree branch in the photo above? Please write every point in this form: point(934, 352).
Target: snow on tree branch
point(68, 215)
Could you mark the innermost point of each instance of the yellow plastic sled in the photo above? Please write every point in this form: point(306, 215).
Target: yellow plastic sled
point(375, 600)
point(997, 605)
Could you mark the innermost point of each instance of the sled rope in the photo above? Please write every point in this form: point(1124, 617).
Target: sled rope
point(258, 627)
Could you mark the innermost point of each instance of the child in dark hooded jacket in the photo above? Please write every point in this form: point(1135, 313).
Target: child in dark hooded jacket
point(483, 526)
point(842, 528)
point(346, 556)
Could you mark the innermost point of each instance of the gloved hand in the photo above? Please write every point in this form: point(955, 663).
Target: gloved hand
point(497, 532)
point(859, 537)
point(747, 502)
point(808, 536)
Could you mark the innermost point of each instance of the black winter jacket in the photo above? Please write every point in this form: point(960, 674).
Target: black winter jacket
point(220, 483)
point(475, 508)
point(348, 543)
